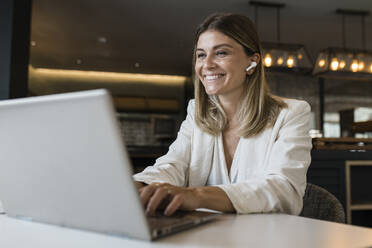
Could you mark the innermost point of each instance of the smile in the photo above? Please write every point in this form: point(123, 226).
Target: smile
point(213, 77)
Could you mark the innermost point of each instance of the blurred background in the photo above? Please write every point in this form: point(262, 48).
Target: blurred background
point(156, 37)
point(141, 51)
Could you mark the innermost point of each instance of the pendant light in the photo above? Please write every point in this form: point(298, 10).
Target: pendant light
point(346, 63)
point(278, 56)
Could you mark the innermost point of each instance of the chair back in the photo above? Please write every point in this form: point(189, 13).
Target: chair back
point(320, 204)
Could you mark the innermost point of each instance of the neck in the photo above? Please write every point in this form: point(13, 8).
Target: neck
point(230, 106)
point(230, 102)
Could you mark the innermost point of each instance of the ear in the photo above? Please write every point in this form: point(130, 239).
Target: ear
point(254, 58)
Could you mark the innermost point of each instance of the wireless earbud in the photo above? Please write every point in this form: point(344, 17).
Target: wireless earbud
point(253, 65)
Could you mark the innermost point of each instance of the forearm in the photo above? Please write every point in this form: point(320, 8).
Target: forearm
point(213, 198)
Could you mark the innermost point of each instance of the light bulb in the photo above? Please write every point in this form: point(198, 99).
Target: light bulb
point(354, 66)
point(321, 63)
point(300, 56)
point(290, 62)
point(370, 68)
point(342, 64)
point(334, 64)
point(361, 66)
point(280, 61)
point(268, 60)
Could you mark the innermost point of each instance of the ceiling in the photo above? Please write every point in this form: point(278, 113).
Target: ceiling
point(156, 36)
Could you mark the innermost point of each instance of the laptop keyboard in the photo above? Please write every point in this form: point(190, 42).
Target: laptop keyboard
point(179, 220)
point(161, 220)
point(177, 214)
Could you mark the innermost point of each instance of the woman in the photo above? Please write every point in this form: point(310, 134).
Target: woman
point(240, 148)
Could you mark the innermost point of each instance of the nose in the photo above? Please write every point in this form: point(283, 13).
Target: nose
point(209, 62)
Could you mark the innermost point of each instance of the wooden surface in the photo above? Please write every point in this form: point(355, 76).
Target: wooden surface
point(347, 143)
point(361, 127)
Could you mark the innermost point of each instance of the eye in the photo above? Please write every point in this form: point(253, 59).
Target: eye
point(221, 53)
point(200, 55)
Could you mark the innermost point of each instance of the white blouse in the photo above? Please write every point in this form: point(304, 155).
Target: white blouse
point(219, 173)
point(268, 171)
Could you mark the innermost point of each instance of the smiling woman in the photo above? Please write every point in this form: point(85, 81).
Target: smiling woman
point(240, 149)
point(220, 65)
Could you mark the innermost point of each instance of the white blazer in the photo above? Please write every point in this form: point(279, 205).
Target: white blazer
point(272, 166)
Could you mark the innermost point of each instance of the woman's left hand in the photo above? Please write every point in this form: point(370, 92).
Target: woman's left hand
point(155, 194)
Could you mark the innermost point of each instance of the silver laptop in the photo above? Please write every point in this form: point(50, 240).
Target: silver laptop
point(63, 161)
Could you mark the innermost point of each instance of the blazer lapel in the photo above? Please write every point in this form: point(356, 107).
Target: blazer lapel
point(201, 158)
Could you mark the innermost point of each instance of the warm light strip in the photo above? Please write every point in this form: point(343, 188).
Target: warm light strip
point(116, 76)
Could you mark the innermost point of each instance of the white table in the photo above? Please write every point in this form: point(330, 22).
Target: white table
point(261, 230)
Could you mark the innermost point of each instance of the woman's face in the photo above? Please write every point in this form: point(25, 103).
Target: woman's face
point(220, 64)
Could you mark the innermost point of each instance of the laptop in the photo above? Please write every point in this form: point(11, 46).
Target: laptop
point(63, 161)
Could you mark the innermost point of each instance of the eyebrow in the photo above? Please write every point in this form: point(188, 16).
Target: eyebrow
point(216, 47)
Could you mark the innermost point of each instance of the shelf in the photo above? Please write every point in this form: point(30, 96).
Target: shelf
point(358, 190)
point(361, 127)
point(362, 218)
point(342, 144)
point(355, 207)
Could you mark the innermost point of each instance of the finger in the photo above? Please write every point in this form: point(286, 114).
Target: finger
point(140, 190)
point(155, 200)
point(174, 205)
point(146, 193)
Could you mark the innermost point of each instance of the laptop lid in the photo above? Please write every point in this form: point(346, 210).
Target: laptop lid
point(63, 162)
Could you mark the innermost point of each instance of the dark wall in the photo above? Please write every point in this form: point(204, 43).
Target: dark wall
point(6, 16)
point(15, 23)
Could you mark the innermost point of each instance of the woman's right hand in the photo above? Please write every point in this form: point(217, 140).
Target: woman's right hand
point(164, 195)
point(140, 185)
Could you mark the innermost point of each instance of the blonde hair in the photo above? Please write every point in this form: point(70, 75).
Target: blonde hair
point(258, 109)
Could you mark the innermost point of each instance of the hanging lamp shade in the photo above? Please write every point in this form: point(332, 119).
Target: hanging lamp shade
point(284, 57)
point(278, 56)
point(345, 63)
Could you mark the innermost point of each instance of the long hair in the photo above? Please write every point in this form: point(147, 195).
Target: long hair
point(258, 108)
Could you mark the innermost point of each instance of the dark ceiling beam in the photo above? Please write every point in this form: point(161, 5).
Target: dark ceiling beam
point(352, 12)
point(15, 25)
point(267, 4)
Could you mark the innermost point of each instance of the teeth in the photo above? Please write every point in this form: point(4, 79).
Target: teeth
point(212, 77)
